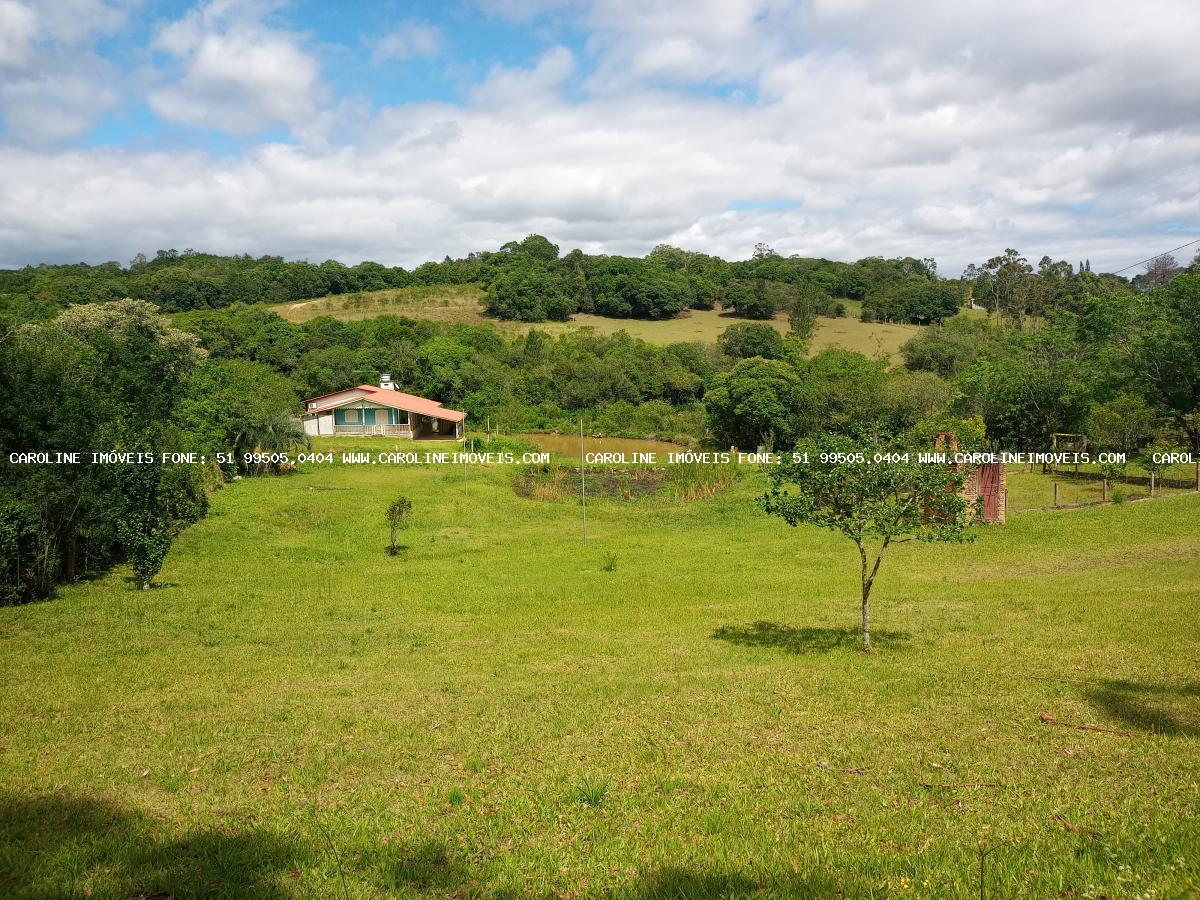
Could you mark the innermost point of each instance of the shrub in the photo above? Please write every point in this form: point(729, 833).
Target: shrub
point(398, 514)
point(499, 443)
point(147, 540)
point(743, 340)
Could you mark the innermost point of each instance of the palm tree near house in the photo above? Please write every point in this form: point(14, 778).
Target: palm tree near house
point(275, 434)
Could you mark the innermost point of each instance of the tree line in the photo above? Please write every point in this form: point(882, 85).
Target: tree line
point(527, 280)
point(531, 281)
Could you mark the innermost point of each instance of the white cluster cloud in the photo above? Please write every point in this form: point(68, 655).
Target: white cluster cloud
point(240, 76)
point(840, 129)
point(53, 86)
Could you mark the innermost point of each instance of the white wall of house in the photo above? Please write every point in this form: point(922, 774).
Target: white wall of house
point(322, 423)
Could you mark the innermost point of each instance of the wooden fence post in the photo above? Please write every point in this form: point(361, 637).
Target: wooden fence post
point(1104, 494)
point(1056, 494)
point(1151, 484)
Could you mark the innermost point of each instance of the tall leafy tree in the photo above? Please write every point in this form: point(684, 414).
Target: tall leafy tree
point(1165, 349)
point(1005, 285)
point(99, 377)
point(756, 403)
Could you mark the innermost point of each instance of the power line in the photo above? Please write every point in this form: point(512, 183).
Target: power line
point(1155, 256)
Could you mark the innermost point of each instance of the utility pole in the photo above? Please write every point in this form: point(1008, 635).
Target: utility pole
point(583, 478)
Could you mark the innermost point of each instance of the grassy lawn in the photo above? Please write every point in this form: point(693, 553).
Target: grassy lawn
point(463, 303)
point(675, 709)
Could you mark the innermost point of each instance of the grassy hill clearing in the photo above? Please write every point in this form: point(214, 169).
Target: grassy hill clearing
point(464, 303)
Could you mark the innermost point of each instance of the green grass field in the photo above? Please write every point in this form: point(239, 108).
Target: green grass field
point(676, 708)
point(463, 303)
point(1030, 488)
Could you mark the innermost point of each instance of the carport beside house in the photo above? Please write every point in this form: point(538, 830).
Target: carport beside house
point(369, 410)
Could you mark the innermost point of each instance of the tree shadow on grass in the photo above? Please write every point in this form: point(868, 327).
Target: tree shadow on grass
point(806, 640)
point(56, 846)
point(429, 867)
point(135, 584)
point(1158, 708)
point(674, 883)
point(429, 864)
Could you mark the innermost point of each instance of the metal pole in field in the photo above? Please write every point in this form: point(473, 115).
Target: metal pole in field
point(583, 478)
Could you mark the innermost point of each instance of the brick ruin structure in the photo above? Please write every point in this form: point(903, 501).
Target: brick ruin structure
point(987, 481)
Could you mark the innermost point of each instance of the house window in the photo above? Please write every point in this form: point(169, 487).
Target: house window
point(345, 417)
point(397, 417)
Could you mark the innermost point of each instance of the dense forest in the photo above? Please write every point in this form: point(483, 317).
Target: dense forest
point(89, 361)
point(531, 281)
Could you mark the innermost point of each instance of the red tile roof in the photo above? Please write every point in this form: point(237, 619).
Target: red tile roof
point(395, 399)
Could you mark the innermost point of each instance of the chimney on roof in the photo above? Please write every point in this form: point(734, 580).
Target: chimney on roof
point(385, 382)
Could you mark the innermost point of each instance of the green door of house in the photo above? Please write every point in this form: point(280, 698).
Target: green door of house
point(368, 417)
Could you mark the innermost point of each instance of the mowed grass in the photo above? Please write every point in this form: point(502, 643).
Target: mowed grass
point(676, 708)
point(464, 303)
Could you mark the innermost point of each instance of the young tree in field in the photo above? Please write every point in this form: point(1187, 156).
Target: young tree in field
point(1154, 461)
point(875, 504)
point(398, 514)
point(802, 318)
point(155, 501)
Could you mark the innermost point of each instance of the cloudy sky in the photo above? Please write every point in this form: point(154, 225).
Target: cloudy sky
point(401, 132)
